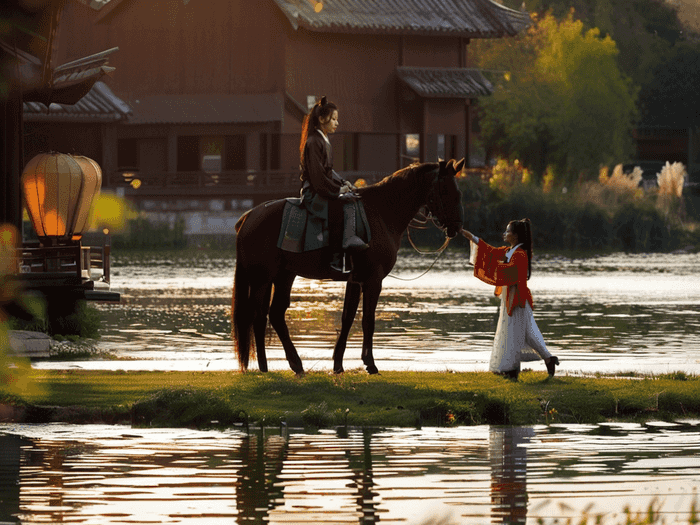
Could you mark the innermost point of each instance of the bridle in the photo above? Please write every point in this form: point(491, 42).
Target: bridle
point(435, 212)
point(439, 191)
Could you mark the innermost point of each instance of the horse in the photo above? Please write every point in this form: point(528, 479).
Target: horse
point(262, 267)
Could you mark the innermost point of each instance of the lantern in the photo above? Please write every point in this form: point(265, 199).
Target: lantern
point(90, 190)
point(59, 190)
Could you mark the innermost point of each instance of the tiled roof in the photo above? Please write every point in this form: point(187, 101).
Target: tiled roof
point(464, 18)
point(207, 109)
point(100, 104)
point(68, 83)
point(440, 82)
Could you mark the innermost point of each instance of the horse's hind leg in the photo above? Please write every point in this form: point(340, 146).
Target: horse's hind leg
point(261, 303)
point(352, 300)
point(278, 309)
point(370, 291)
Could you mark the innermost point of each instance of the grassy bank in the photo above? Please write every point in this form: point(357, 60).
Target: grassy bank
point(404, 399)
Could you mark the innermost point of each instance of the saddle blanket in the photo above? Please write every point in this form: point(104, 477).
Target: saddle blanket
point(302, 232)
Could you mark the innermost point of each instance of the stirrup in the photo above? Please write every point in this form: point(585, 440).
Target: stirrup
point(339, 263)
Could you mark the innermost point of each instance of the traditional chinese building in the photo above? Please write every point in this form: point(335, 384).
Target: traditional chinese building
point(222, 86)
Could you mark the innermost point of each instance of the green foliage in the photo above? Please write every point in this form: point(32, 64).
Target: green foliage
point(205, 399)
point(644, 30)
point(640, 228)
point(561, 99)
point(186, 407)
point(588, 217)
point(84, 322)
point(317, 415)
point(142, 234)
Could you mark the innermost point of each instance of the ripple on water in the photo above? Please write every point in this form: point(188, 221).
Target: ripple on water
point(114, 474)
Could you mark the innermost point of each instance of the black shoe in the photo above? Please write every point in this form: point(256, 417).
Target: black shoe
point(553, 361)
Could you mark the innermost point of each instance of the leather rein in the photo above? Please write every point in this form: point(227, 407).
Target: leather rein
point(420, 223)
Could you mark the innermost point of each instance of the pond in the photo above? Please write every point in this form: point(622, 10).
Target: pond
point(612, 314)
point(115, 474)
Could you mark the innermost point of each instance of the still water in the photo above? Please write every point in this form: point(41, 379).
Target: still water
point(611, 314)
point(115, 474)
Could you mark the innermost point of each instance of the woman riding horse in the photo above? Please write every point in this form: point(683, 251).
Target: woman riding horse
point(389, 206)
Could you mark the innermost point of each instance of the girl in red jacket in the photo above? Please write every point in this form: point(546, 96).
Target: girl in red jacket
point(517, 336)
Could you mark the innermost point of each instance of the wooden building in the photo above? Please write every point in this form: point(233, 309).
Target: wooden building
point(222, 86)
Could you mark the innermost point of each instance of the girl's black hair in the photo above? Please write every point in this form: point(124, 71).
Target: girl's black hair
point(312, 121)
point(523, 229)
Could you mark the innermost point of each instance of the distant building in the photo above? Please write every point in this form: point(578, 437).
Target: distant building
point(224, 85)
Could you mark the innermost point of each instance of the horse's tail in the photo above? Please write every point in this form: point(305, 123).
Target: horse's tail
point(241, 312)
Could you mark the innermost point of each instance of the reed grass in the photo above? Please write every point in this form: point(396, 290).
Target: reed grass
point(320, 399)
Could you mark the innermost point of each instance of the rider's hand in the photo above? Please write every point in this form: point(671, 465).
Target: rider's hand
point(347, 186)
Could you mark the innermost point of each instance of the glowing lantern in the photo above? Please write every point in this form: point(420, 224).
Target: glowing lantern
point(59, 190)
point(90, 190)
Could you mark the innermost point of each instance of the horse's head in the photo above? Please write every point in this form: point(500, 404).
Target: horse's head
point(445, 199)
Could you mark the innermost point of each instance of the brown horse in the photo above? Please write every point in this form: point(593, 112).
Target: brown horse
point(260, 265)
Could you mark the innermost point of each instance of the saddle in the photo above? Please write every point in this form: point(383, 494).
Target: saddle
point(300, 231)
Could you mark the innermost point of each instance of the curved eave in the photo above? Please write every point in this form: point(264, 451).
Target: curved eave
point(452, 18)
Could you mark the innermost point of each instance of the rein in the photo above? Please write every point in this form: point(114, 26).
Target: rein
point(436, 202)
point(438, 251)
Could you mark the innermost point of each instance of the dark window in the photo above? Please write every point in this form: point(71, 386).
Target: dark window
point(127, 153)
point(235, 152)
point(188, 153)
point(275, 147)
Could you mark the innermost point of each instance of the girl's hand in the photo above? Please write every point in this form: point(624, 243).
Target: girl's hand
point(467, 234)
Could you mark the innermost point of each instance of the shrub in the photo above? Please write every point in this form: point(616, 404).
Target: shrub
point(640, 228)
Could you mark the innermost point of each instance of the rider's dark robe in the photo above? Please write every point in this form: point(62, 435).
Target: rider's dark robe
point(318, 171)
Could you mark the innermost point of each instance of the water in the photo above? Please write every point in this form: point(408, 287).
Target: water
point(115, 474)
point(610, 314)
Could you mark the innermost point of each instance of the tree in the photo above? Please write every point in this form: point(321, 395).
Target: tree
point(647, 34)
point(671, 99)
point(559, 99)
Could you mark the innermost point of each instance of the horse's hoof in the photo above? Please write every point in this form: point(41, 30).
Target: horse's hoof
point(300, 374)
point(338, 371)
point(373, 370)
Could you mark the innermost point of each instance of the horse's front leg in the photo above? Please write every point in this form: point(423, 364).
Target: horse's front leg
point(278, 309)
point(370, 291)
point(352, 300)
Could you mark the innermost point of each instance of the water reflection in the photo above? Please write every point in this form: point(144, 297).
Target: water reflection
point(509, 473)
point(514, 475)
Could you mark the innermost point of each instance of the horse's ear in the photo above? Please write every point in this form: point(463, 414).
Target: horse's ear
point(459, 166)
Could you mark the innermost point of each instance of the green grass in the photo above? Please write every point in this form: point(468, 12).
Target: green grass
point(403, 399)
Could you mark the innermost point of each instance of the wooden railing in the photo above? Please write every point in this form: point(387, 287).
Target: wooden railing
point(85, 263)
point(200, 182)
point(249, 181)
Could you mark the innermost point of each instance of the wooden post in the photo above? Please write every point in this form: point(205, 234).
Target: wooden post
point(11, 161)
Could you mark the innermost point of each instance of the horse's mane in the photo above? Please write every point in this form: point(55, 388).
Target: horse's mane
point(400, 177)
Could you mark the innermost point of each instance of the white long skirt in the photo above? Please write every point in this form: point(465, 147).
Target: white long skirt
point(518, 338)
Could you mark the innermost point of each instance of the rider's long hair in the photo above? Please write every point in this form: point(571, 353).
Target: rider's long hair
point(523, 229)
point(312, 121)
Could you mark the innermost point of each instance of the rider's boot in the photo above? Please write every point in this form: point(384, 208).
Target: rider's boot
point(351, 242)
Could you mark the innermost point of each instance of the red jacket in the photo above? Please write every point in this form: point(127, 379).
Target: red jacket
point(491, 267)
